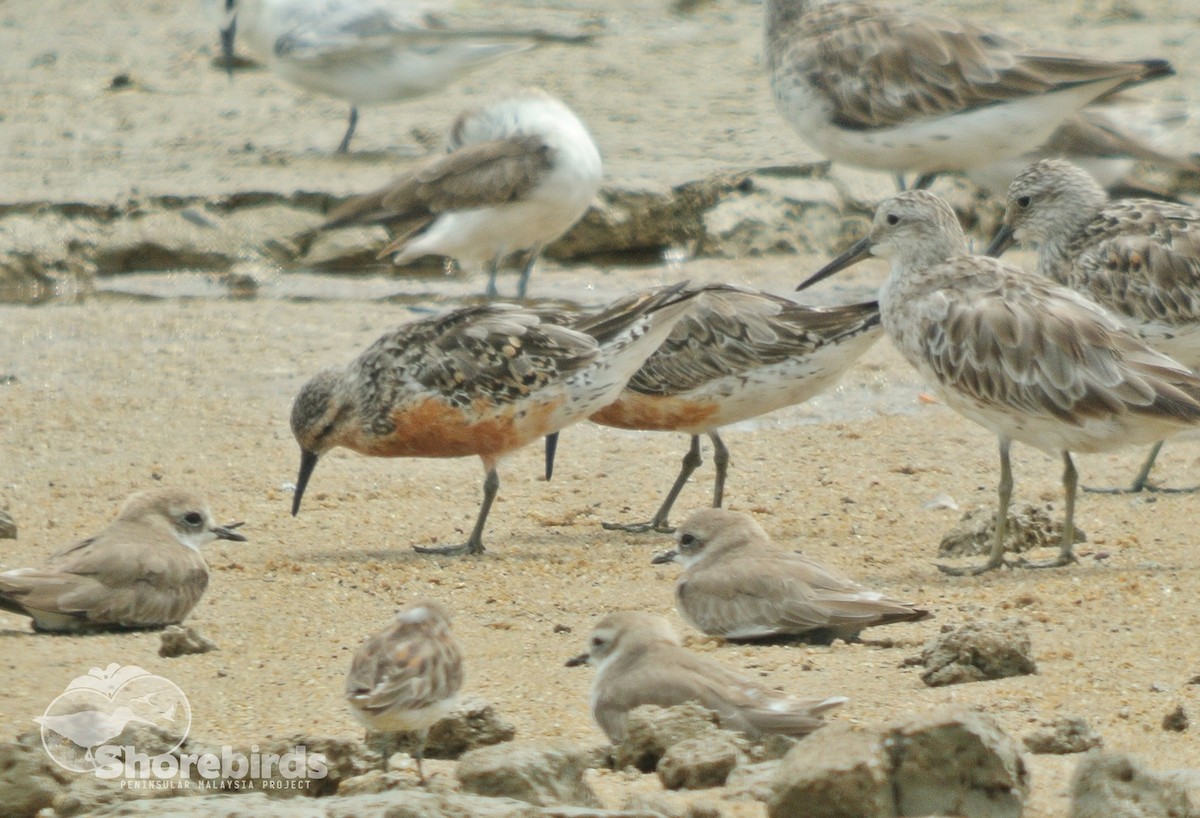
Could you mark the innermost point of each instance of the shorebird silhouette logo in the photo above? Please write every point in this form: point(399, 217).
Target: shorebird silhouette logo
point(100, 708)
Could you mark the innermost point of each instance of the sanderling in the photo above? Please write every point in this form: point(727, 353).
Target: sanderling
point(144, 570)
point(736, 354)
point(519, 172)
point(1140, 258)
point(366, 51)
point(404, 678)
point(738, 584)
point(1026, 358)
point(639, 660)
point(910, 91)
point(482, 380)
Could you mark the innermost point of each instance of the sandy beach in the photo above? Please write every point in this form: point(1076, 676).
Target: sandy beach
point(119, 392)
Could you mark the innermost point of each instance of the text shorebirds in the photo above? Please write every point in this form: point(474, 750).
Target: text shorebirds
point(736, 354)
point(482, 380)
point(518, 173)
point(1140, 258)
point(404, 678)
point(144, 570)
point(915, 92)
point(366, 52)
point(738, 584)
point(639, 660)
point(1028, 359)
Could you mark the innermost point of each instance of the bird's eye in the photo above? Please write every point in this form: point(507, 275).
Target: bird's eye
point(1024, 201)
point(194, 519)
point(687, 539)
point(893, 219)
point(597, 641)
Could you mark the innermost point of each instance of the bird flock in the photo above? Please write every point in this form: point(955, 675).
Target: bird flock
point(1095, 349)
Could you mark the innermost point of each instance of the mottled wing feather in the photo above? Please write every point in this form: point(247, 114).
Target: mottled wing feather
point(1045, 351)
point(884, 70)
point(1141, 258)
point(729, 331)
point(498, 353)
point(404, 666)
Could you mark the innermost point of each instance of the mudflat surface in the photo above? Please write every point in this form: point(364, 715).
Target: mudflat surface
point(117, 394)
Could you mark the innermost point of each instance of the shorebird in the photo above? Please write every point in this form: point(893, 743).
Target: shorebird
point(518, 173)
point(913, 92)
point(91, 728)
point(366, 52)
point(639, 660)
point(1108, 141)
point(736, 354)
point(482, 380)
point(144, 570)
point(738, 584)
point(1028, 359)
point(1140, 258)
point(404, 678)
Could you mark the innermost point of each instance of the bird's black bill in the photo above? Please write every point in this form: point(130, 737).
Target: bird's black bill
point(664, 557)
point(856, 253)
point(551, 448)
point(1003, 240)
point(226, 532)
point(308, 462)
point(576, 661)
point(228, 35)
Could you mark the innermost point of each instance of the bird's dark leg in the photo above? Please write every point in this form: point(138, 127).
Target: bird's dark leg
point(474, 544)
point(691, 461)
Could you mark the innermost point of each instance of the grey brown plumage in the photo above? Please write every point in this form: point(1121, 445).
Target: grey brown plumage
point(639, 661)
point(738, 584)
point(1028, 359)
point(907, 90)
point(144, 570)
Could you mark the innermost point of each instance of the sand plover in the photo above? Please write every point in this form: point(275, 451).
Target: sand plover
point(737, 354)
point(144, 570)
point(639, 660)
point(366, 52)
point(519, 172)
point(404, 678)
point(482, 380)
point(738, 584)
point(1140, 258)
point(1028, 359)
point(910, 91)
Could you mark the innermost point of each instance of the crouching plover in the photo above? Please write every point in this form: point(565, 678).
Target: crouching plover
point(518, 173)
point(1012, 351)
point(639, 660)
point(482, 380)
point(912, 91)
point(404, 678)
point(1140, 258)
point(366, 51)
point(144, 570)
point(737, 584)
point(736, 354)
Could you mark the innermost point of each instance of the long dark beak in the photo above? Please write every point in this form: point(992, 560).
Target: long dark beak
point(226, 532)
point(664, 557)
point(576, 661)
point(228, 35)
point(308, 462)
point(856, 253)
point(551, 448)
point(1003, 240)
